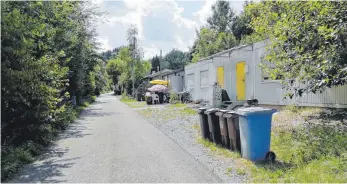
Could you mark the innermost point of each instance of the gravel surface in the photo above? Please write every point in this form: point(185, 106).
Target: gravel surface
point(179, 127)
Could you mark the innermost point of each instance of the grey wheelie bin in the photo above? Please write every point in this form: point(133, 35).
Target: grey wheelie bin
point(233, 130)
point(223, 128)
point(205, 133)
point(213, 125)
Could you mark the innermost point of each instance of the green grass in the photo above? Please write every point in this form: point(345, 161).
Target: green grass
point(177, 105)
point(218, 150)
point(307, 152)
point(136, 104)
point(131, 102)
point(188, 111)
point(240, 171)
point(127, 99)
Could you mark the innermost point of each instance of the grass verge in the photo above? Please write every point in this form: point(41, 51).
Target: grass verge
point(131, 102)
point(307, 150)
point(177, 105)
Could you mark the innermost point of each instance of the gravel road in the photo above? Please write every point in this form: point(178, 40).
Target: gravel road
point(112, 143)
point(179, 127)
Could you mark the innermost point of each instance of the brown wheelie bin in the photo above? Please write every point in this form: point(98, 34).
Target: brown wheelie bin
point(223, 128)
point(233, 130)
point(205, 133)
point(213, 125)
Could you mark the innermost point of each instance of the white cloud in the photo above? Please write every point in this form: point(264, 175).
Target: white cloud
point(150, 51)
point(162, 25)
point(205, 11)
point(104, 44)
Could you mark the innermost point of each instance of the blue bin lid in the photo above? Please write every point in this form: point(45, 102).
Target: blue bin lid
point(254, 110)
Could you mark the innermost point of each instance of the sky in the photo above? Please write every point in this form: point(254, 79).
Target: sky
point(163, 25)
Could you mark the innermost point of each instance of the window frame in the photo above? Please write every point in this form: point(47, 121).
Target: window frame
point(206, 85)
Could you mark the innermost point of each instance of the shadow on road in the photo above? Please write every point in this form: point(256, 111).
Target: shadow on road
point(76, 130)
point(47, 168)
point(96, 113)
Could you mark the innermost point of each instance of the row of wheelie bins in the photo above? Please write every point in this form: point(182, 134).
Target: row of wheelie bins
point(246, 130)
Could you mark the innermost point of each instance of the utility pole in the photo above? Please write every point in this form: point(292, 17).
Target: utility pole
point(160, 59)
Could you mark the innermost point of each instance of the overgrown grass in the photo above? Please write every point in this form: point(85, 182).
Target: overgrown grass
point(131, 102)
point(218, 150)
point(127, 99)
point(167, 114)
point(307, 150)
point(177, 105)
point(188, 111)
point(15, 157)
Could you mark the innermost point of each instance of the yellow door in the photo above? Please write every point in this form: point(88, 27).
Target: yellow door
point(240, 81)
point(220, 76)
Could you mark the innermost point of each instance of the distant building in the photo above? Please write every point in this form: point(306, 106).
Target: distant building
point(174, 77)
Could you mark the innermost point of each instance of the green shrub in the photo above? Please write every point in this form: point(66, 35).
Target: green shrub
point(174, 98)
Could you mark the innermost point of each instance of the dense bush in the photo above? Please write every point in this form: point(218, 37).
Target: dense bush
point(47, 57)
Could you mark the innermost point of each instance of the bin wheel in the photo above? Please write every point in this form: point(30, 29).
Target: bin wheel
point(270, 156)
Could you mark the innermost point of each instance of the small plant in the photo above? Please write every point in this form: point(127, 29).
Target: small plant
point(174, 98)
point(85, 104)
point(93, 98)
point(126, 98)
point(240, 171)
point(196, 127)
point(188, 111)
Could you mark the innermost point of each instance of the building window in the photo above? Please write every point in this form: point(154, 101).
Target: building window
point(190, 82)
point(203, 78)
point(265, 75)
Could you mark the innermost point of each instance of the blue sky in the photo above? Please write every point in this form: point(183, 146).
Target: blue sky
point(163, 25)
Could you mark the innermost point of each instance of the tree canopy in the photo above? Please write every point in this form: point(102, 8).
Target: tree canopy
point(307, 41)
point(128, 66)
point(222, 16)
point(210, 42)
point(49, 66)
point(175, 59)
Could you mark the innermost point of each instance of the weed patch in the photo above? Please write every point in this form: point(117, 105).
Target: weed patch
point(177, 105)
point(306, 151)
point(188, 111)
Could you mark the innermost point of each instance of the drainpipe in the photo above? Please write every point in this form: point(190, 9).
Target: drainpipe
point(254, 67)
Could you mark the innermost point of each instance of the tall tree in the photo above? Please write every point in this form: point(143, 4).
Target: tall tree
point(175, 59)
point(241, 23)
point(222, 16)
point(308, 42)
point(132, 37)
point(210, 42)
point(155, 64)
point(47, 56)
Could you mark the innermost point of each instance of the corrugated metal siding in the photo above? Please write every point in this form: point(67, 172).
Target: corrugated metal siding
point(271, 92)
point(267, 92)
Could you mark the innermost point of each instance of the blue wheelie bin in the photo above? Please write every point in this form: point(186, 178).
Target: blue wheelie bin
point(255, 133)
